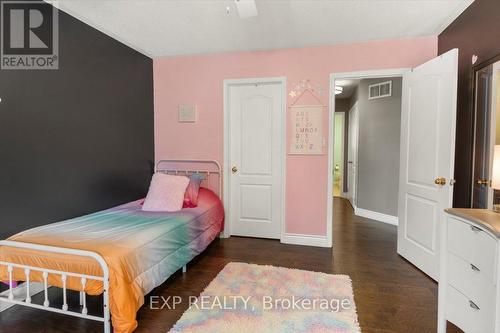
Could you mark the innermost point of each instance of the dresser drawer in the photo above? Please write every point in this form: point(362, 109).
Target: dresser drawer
point(470, 281)
point(461, 312)
point(473, 245)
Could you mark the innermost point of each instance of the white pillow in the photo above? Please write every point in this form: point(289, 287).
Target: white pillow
point(166, 193)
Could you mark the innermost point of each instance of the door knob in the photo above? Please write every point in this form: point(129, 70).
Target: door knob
point(483, 182)
point(234, 169)
point(440, 181)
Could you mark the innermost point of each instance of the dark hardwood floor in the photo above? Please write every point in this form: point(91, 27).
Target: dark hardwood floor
point(391, 295)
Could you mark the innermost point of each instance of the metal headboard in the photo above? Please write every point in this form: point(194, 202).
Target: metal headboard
point(209, 168)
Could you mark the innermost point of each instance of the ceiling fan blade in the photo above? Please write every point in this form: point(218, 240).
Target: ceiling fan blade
point(246, 8)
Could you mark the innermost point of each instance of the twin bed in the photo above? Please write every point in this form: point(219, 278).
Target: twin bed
point(121, 253)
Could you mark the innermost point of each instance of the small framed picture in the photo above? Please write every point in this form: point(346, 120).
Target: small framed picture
point(187, 113)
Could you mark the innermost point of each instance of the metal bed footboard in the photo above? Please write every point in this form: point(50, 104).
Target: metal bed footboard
point(25, 300)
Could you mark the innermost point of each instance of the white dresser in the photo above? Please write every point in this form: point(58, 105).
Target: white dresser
point(469, 277)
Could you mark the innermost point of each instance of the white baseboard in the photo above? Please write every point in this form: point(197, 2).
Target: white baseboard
point(20, 293)
point(309, 240)
point(390, 219)
point(223, 235)
point(300, 239)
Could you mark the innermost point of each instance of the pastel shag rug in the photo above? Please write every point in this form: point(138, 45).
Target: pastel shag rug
point(254, 298)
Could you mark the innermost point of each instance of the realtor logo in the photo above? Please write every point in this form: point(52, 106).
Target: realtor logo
point(29, 35)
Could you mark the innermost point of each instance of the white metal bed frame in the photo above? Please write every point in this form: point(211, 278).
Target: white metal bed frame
point(212, 167)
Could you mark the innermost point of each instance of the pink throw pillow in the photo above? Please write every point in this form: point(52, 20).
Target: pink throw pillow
point(166, 193)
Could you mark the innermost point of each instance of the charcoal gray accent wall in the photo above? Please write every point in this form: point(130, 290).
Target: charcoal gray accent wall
point(475, 32)
point(378, 148)
point(78, 139)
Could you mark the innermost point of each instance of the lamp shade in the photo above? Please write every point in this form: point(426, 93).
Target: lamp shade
point(495, 175)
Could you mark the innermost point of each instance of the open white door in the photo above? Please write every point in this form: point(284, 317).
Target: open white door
point(427, 158)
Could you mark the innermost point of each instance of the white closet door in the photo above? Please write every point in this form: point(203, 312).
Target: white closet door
point(255, 136)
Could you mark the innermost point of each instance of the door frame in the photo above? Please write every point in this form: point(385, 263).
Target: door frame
point(367, 74)
point(342, 174)
point(494, 122)
point(227, 156)
point(493, 125)
point(472, 125)
point(353, 203)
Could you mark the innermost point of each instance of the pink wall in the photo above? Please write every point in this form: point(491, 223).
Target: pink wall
point(199, 80)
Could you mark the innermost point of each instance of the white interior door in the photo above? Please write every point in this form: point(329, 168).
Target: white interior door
point(352, 154)
point(427, 158)
point(255, 148)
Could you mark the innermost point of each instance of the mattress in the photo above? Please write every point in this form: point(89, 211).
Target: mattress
point(141, 249)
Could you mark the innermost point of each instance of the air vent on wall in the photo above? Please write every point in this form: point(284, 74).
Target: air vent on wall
point(379, 90)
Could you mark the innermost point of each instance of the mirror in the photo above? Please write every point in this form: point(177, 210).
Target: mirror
point(486, 134)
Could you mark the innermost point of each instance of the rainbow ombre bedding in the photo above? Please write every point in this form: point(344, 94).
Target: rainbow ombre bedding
point(141, 249)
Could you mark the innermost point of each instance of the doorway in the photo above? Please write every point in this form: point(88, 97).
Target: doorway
point(427, 148)
point(373, 108)
point(254, 145)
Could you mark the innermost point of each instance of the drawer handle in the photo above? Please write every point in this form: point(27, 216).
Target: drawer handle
point(474, 268)
point(473, 305)
point(476, 229)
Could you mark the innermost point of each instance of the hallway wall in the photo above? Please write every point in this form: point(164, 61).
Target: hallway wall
point(378, 148)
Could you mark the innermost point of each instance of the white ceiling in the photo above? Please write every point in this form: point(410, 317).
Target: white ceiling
point(184, 27)
point(349, 87)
